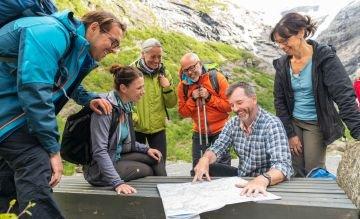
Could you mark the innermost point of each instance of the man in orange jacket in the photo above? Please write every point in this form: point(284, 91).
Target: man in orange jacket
point(208, 108)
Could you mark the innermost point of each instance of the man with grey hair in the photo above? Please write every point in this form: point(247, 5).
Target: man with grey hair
point(160, 94)
point(259, 140)
point(207, 105)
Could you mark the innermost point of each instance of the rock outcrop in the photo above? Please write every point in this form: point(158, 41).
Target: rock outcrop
point(348, 174)
point(224, 21)
point(344, 34)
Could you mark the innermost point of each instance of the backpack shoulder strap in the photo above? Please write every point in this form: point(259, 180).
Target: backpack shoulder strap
point(185, 90)
point(114, 121)
point(213, 79)
point(132, 132)
point(8, 59)
point(62, 73)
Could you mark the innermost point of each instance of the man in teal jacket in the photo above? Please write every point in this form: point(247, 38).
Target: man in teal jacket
point(54, 54)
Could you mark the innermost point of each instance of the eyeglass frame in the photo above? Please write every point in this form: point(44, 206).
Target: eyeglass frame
point(115, 43)
point(190, 68)
point(284, 42)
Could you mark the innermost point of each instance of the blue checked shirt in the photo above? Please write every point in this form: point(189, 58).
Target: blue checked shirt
point(265, 148)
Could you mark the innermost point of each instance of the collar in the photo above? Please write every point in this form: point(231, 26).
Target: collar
point(126, 107)
point(141, 65)
point(115, 99)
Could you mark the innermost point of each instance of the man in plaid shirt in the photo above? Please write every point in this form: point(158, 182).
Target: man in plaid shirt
point(259, 140)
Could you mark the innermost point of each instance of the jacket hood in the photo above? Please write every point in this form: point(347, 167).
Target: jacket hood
point(140, 64)
point(75, 27)
point(68, 20)
point(322, 51)
point(112, 98)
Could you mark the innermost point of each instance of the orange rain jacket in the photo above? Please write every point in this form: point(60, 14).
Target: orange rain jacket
point(217, 108)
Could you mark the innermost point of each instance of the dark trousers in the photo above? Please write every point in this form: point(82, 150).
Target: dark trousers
point(25, 173)
point(137, 165)
point(313, 151)
point(198, 150)
point(218, 169)
point(156, 140)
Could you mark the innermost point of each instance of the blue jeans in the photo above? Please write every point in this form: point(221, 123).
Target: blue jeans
point(25, 173)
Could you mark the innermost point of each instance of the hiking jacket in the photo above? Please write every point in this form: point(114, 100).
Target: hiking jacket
point(27, 94)
point(357, 90)
point(217, 107)
point(150, 112)
point(101, 170)
point(330, 84)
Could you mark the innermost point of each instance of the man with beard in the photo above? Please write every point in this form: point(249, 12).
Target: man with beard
point(259, 140)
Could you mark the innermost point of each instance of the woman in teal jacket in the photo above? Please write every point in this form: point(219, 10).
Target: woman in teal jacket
point(54, 54)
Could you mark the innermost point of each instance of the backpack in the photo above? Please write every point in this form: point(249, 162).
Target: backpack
point(13, 9)
point(76, 138)
point(322, 173)
point(213, 70)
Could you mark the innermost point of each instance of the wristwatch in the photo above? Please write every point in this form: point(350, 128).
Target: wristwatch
point(268, 177)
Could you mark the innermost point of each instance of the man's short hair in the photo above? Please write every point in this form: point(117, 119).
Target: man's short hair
point(105, 20)
point(248, 88)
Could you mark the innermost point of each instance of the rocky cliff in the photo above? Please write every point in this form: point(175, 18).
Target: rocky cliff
point(230, 22)
point(348, 174)
point(344, 34)
point(226, 22)
point(221, 21)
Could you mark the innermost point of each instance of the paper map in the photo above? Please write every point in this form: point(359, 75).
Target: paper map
point(188, 200)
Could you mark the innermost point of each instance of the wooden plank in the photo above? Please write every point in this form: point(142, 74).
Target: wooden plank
point(92, 206)
point(262, 211)
point(293, 185)
point(301, 198)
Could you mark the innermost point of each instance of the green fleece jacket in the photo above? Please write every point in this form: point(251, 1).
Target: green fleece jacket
point(150, 112)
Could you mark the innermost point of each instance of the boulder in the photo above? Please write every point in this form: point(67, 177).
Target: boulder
point(348, 173)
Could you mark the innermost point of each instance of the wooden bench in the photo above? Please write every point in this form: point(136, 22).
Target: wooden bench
point(301, 199)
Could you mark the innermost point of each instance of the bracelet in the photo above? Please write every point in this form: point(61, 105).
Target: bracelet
point(268, 177)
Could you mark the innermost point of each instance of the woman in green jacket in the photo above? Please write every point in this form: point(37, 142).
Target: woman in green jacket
point(150, 112)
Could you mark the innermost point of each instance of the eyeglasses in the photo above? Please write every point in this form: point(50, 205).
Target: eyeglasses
point(283, 41)
point(190, 68)
point(115, 43)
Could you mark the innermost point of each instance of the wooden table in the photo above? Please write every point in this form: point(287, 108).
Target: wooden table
point(301, 199)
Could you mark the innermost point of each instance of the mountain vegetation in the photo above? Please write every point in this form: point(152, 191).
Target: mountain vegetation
point(175, 44)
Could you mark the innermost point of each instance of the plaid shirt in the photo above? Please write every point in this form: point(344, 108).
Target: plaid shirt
point(265, 148)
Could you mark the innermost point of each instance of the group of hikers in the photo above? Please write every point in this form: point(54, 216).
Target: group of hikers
point(309, 79)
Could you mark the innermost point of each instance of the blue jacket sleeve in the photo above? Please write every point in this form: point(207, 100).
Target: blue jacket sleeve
point(82, 96)
point(39, 45)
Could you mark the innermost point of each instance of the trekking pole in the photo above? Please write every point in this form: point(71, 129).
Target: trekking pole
point(199, 119)
point(205, 122)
